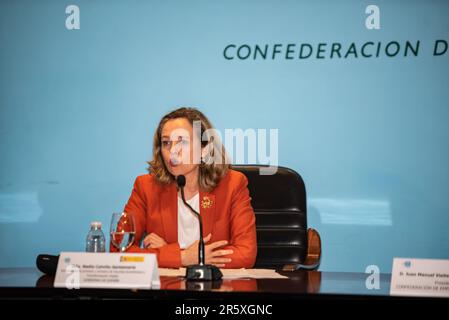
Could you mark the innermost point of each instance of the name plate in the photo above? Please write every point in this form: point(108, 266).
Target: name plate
point(420, 277)
point(107, 270)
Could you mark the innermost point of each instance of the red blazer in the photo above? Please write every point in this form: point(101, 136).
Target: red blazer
point(226, 211)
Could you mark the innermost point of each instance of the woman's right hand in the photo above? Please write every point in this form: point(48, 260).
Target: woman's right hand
point(213, 255)
point(153, 241)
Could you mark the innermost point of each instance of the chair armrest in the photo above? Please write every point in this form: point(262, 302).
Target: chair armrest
point(313, 258)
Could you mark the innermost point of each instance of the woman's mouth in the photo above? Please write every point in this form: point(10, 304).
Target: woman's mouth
point(173, 163)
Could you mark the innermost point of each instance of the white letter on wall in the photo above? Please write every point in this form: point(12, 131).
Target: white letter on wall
point(373, 20)
point(373, 280)
point(73, 20)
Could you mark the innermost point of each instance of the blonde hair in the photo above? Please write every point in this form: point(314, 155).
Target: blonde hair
point(210, 174)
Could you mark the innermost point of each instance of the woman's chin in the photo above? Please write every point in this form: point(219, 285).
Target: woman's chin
point(176, 170)
point(181, 169)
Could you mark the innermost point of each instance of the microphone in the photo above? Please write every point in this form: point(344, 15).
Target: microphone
point(47, 263)
point(200, 271)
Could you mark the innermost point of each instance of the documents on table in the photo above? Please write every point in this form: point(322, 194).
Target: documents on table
point(230, 273)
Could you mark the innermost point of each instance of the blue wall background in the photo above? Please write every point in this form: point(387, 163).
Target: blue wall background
point(370, 136)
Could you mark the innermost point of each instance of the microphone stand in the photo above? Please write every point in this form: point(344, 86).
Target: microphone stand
point(200, 271)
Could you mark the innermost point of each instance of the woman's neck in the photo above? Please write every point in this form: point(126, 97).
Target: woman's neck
point(192, 186)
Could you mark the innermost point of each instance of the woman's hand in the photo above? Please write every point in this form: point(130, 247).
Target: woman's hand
point(213, 255)
point(153, 241)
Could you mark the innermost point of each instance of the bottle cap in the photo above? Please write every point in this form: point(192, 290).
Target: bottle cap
point(95, 224)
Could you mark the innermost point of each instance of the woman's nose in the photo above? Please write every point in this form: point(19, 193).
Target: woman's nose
point(175, 147)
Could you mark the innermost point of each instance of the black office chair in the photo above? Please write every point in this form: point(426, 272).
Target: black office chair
point(279, 202)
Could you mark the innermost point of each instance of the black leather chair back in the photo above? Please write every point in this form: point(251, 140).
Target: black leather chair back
point(279, 202)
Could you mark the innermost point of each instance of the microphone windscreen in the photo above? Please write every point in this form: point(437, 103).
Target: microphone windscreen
point(181, 181)
point(47, 263)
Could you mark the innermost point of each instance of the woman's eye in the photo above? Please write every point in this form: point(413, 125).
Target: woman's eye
point(165, 143)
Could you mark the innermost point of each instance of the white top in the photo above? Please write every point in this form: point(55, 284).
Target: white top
point(188, 224)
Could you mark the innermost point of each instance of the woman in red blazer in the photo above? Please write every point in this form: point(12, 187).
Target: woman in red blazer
point(185, 144)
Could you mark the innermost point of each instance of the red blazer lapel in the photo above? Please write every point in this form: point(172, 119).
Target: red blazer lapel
point(169, 213)
point(207, 211)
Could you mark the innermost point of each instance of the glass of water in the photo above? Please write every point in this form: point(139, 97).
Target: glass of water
point(123, 230)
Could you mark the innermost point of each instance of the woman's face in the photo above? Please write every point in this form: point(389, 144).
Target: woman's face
point(177, 146)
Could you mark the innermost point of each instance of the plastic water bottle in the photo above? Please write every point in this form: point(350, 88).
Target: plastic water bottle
point(95, 241)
